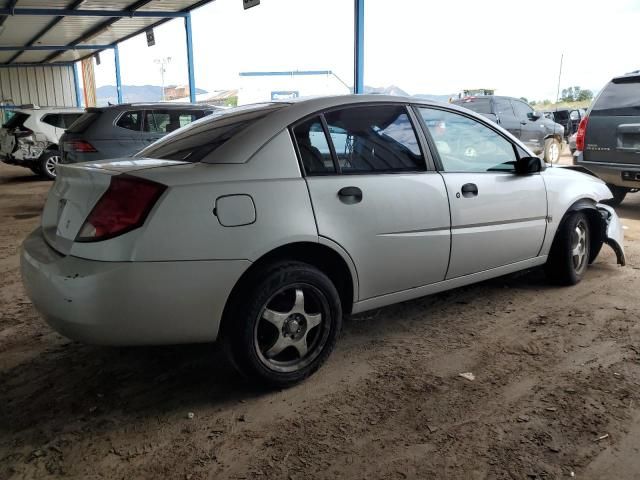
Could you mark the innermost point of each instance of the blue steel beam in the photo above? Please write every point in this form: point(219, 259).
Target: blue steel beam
point(358, 57)
point(192, 78)
point(77, 82)
point(116, 57)
point(53, 47)
point(64, 12)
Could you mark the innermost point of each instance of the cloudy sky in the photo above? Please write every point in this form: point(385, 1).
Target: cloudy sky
point(434, 47)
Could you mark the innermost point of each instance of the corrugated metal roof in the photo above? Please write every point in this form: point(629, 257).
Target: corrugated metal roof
point(54, 29)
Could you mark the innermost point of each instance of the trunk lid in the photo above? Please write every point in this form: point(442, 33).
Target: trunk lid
point(76, 191)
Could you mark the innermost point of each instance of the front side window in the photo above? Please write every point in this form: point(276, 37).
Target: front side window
point(313, 147)
point(130, 121)
point(521, 109)
point(466, 145)
point(374, 139)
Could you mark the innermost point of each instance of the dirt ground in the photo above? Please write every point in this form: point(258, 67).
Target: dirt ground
point(556, 391)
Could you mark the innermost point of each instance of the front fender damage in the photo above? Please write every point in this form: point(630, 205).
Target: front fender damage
point(613, 234)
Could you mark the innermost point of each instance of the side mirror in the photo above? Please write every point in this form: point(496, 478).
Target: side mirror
point(528, 165)
point(533, 116)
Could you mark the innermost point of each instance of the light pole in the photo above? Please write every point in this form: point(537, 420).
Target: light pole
point(163, 62)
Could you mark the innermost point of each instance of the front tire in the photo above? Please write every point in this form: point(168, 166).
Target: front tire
point(48, 162)
point(552, 150)
point(569, 256)
point(618, 195)
point(285, 325)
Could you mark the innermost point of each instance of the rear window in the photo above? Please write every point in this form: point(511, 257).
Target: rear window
point(83, 122)
point(478, 105)
point(620, 97)
point(17, 119)
point(198, 140)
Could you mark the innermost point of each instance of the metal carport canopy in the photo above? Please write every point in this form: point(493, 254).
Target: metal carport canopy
point(64, 31)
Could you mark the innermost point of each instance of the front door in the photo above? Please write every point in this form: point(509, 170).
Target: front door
point(372, 194)
point(506, 117)
point(533, 130)
point(497, 217)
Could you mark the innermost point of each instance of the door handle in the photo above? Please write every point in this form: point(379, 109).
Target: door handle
point(350, 195)
point(469, 190)
point(523, 123)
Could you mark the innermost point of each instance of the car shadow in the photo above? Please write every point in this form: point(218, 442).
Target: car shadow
point(71, 382)
point(19, 179)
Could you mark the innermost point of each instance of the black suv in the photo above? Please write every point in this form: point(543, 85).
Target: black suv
point(122, 130)
point(608, 139)
point(539, 133)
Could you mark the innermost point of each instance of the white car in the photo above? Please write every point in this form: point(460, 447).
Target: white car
point(30, 137)
point(262, 226)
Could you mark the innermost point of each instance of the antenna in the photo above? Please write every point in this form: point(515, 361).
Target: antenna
point(559, 77)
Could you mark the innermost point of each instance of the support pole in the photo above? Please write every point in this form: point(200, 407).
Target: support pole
point(358, 57)
point(116, 56)
point(192, 79)
point(76, 81)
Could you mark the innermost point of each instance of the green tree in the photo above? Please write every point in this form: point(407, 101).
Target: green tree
point(585, 95)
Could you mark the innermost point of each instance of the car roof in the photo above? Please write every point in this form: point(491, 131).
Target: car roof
point(164, 105)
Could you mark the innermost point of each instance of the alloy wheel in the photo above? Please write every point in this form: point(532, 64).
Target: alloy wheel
point(293, 328)
point(51, 163)
point(579, 246)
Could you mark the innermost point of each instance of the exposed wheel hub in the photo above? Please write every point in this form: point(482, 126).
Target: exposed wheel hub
point(295, 326)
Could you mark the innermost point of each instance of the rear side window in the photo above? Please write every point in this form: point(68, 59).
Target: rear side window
point(620, 97)
point(376, 139)
point(313, 147)
point(197, 141)
point(83, 122)
point(478, 105)
point(503, 107)
point(166, 121)
point(53, 119)
point(130, 121)
point(16, 120)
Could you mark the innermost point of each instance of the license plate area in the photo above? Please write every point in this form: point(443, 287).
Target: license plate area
point(629, 176)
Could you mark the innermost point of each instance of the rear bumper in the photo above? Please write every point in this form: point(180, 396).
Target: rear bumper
point(127, 303)
point(611, 173)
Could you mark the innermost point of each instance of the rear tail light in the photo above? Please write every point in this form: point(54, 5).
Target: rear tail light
point(582, 129)
point(122, 208)
point(80, 146)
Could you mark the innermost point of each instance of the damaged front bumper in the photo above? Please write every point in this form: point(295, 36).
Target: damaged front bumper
point(614, 235)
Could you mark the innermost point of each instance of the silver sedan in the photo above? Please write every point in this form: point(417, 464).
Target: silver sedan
point(264, 225)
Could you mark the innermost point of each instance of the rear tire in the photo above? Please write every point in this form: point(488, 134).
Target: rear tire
point(570, 252)
point(48, 163)
point(285, 324)
point(552, 150)
point(618, 195)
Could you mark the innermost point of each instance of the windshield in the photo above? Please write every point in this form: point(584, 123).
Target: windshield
point(201, 138)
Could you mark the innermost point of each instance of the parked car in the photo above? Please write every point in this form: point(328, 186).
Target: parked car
point(263, 226)
point(122, 130)
point(540, 134)
point(608, 139)
point(31, 137)
point(568, 118)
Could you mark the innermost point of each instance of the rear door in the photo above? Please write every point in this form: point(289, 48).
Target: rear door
point(497, 217)
point(373, 194)
point(613, 129)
